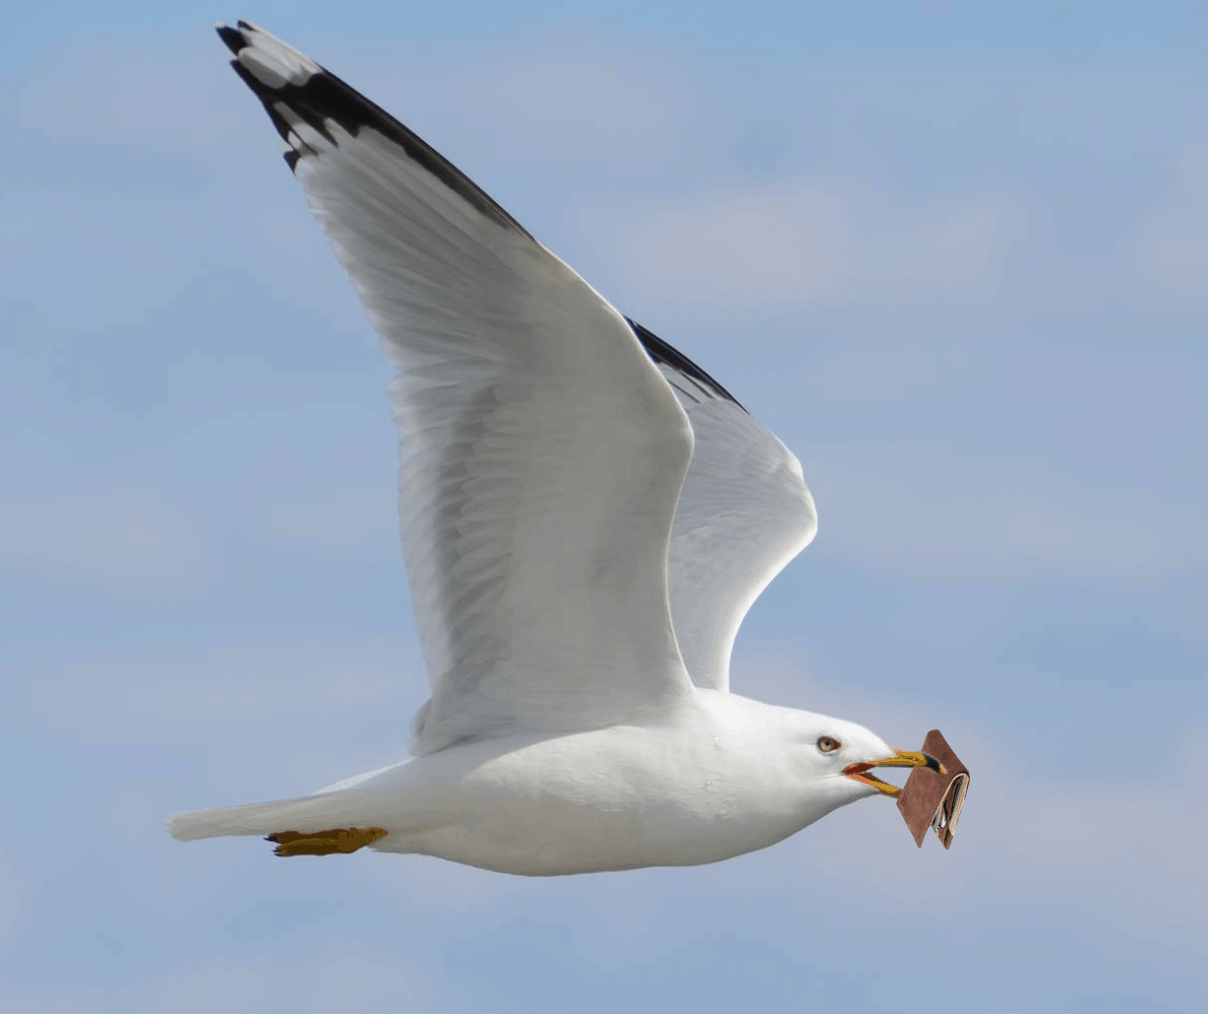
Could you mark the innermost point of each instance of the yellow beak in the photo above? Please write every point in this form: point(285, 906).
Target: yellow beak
point(900, 759)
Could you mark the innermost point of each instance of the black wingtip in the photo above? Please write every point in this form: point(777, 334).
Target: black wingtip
point(232, 38)
point(322, 101)
point(661, 352)
point(266, 96)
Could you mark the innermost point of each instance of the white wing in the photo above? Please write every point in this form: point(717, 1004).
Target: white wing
point(743, 514)
point(542, 453)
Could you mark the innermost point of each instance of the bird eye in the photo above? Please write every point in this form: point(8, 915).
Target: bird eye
point(828, 744)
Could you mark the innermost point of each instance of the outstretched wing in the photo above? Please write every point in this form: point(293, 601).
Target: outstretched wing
point(744, 512)
point(542, 454)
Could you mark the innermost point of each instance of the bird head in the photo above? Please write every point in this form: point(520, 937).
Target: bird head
point(842, 759)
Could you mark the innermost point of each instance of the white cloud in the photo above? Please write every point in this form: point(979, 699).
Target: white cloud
point(335, 513)
point(538, 97)
point(1113, 860)
point(1172, 250)
point(10, 901)
point(904, 505)
point(47, 1004)
point(102, 92)
point(574, 97)
point(132, 538)
point(809, 243)
point(309, 973)
point(296, 981)
point(289, 688)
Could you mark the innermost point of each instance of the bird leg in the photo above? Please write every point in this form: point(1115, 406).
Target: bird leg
point(324, 843)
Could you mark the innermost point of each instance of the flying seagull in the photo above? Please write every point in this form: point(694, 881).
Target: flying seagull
point(587, 516)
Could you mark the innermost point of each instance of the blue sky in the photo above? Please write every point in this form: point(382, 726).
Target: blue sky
point(954, 254)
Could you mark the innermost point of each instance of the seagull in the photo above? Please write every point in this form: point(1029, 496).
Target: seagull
point(587, 516)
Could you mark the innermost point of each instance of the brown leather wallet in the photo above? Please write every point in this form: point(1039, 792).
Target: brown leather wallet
point(933, 800)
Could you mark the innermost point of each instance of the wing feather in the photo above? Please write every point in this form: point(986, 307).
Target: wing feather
point(542, 454)
point(744, 512)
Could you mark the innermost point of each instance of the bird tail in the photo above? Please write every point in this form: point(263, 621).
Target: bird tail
point(305, 813)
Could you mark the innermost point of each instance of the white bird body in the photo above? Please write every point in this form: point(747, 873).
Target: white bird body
point(723, 776)
point(587, 516)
